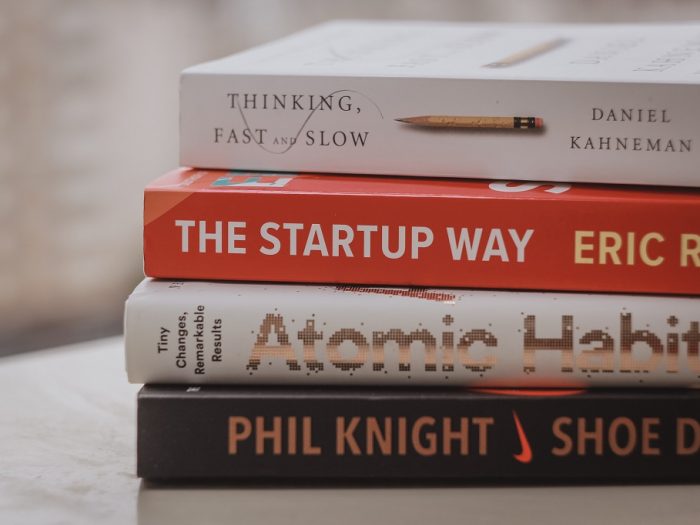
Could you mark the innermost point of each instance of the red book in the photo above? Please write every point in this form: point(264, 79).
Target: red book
point(428, 232)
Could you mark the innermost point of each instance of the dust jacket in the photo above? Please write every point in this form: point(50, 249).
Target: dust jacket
point(250, 226)
point(502, 436)
point(587, 103)
point(194, 332)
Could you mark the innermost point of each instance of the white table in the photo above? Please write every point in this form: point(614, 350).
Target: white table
point(67, 455)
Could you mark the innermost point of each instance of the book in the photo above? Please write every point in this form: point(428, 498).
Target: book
point(458, 434)
point(426, 232)
point(193, 332)
point(587, 103)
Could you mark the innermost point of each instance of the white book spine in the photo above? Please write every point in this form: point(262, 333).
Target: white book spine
point(204, 332)
point(578, 142)
point(607, 104)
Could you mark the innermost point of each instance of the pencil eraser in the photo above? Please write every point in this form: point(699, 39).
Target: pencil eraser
point(539, 122)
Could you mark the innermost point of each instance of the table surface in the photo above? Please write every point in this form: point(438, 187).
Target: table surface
point(67, 455)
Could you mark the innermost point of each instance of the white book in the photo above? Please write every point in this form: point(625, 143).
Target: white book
point(217, 332)
point(585, 103)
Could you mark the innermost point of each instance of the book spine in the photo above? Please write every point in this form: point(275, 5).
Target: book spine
point(491, 240)
point(403, 434)
point(206, 332)
point(372, 125)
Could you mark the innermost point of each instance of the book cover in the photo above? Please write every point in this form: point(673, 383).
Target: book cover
point(458, 434)
point(586, 103)
point(426, 232)
point(191, 332)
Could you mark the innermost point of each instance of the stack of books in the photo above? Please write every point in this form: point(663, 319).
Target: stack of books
point(371, 299)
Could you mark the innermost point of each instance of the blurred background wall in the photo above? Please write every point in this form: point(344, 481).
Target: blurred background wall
point(88, 115)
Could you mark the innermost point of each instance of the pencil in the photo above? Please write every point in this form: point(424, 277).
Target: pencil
point(527, 54)
point(453, 121)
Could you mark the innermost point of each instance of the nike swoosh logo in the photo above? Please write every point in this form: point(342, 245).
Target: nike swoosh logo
point(525, 455)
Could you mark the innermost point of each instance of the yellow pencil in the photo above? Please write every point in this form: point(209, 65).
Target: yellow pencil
point(454, 121)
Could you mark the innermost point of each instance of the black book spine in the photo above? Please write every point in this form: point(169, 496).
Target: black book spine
point(228, 433)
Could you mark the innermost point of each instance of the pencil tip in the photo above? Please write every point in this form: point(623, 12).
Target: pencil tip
point(400, 120)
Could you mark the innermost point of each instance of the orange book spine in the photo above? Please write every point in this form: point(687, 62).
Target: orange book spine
point(426, 232)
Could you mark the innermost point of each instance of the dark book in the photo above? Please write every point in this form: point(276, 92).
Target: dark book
point(209, 432)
